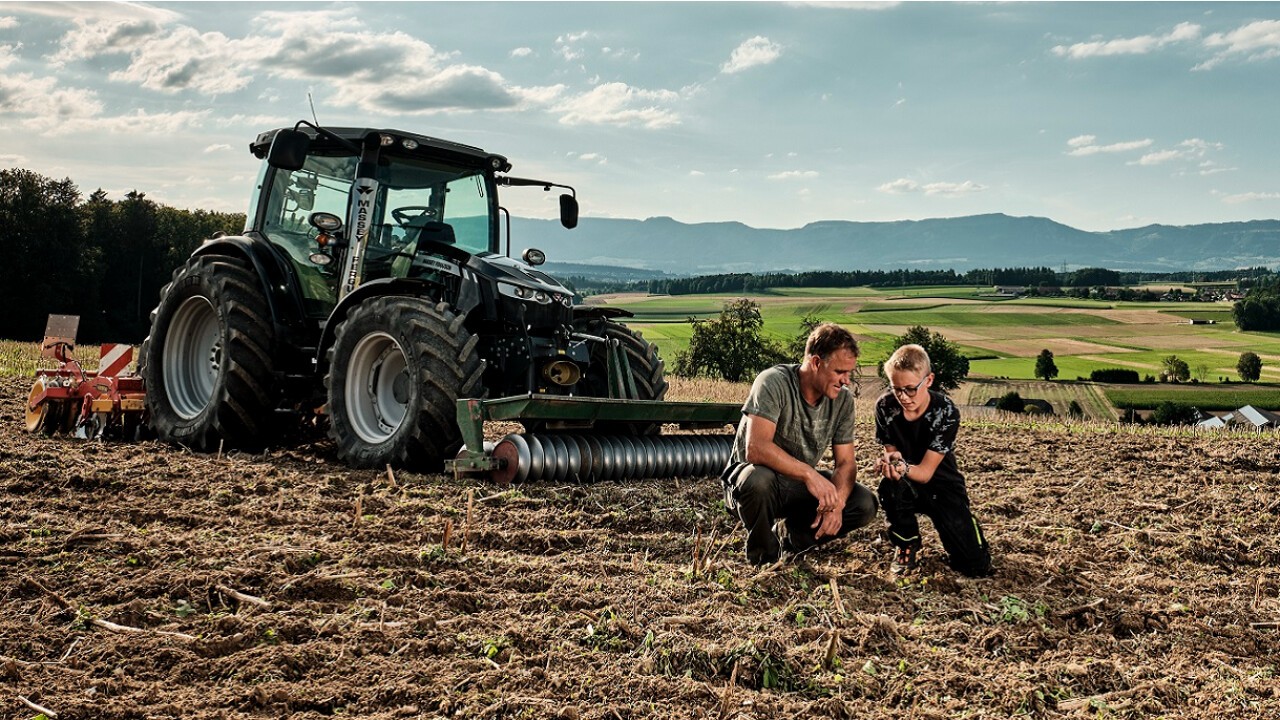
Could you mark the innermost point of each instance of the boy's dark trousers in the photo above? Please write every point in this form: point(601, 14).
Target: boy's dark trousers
point(759, 496)
point(947, 505)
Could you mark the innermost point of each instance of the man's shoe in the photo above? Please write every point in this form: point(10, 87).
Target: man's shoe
point(907, 560)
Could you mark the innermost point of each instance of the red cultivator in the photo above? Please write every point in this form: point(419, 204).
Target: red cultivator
point(88, 404)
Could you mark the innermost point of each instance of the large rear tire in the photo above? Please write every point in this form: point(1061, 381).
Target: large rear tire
point(647, 369)
point(207, 363)
point(397, 368)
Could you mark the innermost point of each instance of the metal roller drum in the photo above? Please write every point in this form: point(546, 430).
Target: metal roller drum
point(589, 458)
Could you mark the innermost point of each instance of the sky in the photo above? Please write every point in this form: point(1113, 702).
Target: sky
point(1101, 116)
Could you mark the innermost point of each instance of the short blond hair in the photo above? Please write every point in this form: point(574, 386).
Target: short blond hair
point(911, 358)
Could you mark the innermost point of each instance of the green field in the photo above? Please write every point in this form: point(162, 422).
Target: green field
point(1001, 336)
point(1202, 397)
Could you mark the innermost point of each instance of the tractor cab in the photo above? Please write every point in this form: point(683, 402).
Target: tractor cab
point(349, 206)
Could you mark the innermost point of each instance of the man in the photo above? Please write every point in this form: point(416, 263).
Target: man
point(793, 414)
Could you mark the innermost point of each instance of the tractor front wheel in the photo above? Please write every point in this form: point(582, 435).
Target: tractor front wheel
point(647, 369)
point(397, 368)
point(207, 363)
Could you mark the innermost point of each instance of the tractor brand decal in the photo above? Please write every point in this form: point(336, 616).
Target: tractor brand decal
point(436, 264)
point(365, 191)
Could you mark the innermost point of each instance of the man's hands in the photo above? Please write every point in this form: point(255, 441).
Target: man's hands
point(830, 504)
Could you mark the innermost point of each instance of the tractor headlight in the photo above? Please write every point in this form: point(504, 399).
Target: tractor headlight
point(520, 292)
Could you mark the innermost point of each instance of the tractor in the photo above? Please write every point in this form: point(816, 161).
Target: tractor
point(370, 287)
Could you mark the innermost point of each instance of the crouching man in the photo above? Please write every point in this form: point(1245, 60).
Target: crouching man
point(793, 414)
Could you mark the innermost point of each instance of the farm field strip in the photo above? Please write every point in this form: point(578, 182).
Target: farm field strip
point(1215, 398)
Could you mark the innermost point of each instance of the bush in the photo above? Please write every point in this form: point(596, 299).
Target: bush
point(1011, 402)
point(731, 347)
point(1249, 366)
point(1169, 412)
point(1114, 375)
point(1074, 410)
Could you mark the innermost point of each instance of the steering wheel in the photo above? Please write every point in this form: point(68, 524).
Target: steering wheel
point(402, 214)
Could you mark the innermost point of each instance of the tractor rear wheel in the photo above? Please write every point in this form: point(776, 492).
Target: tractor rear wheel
point(397, 368)
point(647, 369)
point(207, 363)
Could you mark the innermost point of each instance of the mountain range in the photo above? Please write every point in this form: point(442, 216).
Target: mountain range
point(961, 243)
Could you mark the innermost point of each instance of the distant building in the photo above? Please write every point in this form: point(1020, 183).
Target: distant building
point(1247, 416)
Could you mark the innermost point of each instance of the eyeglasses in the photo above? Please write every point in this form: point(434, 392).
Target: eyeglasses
point(908, 391)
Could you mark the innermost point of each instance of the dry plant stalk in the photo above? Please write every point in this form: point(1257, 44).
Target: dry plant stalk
point(832, 645)
point(391, 476)
point(466, 529)
point(38, 708)
point(835, 597)
point(359, 510)
point(243, 598)
point(448, 533)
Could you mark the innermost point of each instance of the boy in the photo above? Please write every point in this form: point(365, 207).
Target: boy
point(917, 428)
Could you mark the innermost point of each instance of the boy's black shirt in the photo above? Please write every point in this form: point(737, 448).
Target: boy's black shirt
point(934, 430)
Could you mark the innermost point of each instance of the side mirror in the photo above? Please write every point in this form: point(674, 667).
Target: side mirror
point(569, 211)
point(289, 150)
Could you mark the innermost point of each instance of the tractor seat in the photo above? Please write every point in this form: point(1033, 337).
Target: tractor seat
point(422, 230)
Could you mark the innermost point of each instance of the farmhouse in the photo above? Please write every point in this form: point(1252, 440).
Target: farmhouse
point(1247, 416)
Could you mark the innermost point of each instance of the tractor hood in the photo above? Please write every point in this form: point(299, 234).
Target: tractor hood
point(507, 270)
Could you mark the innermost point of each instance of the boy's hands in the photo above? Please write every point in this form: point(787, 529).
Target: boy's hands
point(892, 465)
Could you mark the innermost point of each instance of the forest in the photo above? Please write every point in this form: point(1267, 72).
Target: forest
point(104, 260)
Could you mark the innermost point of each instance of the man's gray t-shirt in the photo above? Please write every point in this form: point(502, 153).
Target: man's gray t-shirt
point(804, 432)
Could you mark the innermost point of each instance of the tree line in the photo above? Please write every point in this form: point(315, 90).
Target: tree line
point(1260, 308)
point(104, 260)
point(1025, 277)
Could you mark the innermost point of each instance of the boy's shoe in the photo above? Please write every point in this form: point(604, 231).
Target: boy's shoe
point(907, 559)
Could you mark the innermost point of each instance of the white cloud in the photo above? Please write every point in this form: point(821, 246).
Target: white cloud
point(12, 160)
point(1258, 40)
point(620, 104)
point(794, 174)
point(903, 186)
point(521, 52)
point(594, 157)
point(757, 51)
point(1191, 149)
point(696, 173)
point(8, 22)
point(1155, 158)
point(1250, 197)
point(390, 72)
point(1083, 145)
point(1140, 45)
point(220, 147)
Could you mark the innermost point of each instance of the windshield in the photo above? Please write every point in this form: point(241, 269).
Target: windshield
point(423, 201)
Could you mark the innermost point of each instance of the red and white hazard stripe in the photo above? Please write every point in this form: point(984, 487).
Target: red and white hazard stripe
point(113, 359)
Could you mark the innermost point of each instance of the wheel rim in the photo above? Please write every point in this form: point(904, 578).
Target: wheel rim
point(377, 388)
point(192, 357)
point(36, 415)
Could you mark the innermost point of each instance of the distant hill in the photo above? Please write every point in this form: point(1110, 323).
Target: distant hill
point(961, 243)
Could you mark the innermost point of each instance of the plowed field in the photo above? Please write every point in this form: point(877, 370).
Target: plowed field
point(1137, 576)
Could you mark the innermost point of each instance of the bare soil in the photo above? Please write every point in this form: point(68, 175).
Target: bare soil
point(1136, 577)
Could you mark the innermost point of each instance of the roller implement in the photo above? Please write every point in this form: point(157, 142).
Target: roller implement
point(370, 292)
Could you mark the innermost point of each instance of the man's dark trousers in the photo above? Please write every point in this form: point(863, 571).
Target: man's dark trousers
point(759, 496)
